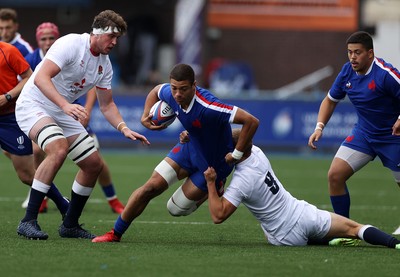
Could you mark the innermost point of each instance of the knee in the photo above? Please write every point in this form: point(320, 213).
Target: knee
point(26, 176)
point(180, 205)
point(335, 177)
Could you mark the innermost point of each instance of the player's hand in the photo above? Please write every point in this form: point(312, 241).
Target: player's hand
point(229, 159)
point(128, 133)
point(76, 111)
point(184, 137)
point(85, 121)
point(396, 128)
point(314, 138)
point(210, 175)
point(146, 122)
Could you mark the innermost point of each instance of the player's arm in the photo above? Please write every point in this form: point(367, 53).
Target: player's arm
point(151, 99)
point(15, 92)
point(249, 127)
point(112, 114)
point(89, 103)
point(220, 208)
point(326, 110)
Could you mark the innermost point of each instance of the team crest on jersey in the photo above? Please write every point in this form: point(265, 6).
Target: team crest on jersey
point(100, 71)
point(20, 141)
point(196, 123)
point(348, 84)
point(372, 85)
point(77, 87)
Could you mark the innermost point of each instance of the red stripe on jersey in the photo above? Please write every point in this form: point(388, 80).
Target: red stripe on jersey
point(390, 68)
point(216, 104)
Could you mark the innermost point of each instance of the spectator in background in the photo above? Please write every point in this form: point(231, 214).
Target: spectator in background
point(9, 31)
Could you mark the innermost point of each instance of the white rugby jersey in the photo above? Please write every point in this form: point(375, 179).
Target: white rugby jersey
point(255, 185)
point(80, 70)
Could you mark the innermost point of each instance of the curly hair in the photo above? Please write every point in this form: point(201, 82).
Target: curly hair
point(109, 18)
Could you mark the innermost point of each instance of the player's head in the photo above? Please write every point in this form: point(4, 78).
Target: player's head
point(360, 51)
point(8, 24)
point(107, 27)
point(235, 137)
point(183, 83)
point(46, 35)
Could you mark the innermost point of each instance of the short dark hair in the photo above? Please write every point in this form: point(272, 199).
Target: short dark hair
point(109, 18)
point(8, 14)
point(182, 72)
point(363, 38)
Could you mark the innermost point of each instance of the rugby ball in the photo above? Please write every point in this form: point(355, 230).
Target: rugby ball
point(162, 113)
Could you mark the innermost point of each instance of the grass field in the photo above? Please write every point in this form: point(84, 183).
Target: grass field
point(160, 245)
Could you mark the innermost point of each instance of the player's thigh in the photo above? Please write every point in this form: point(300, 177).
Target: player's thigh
point(192, 191)
point(24, 166)
point(348, 160)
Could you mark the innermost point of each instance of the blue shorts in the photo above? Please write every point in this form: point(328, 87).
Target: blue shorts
point(192, 160)
point(387, 149)
point(12, 139)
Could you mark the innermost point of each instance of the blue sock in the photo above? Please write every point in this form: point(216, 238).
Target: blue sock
point(55, 195)
point(109, 191)
point(35, 200)
point(341, 204)
point(375, 236)
point(120, 227)
point(75, 209)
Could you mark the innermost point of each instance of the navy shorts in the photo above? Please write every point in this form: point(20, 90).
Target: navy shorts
point(12, 139)
point(387, 149)
point(192, 160)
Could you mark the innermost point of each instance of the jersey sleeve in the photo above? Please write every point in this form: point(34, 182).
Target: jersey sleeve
point(17, 61)
point(63, 50)
point(337, 93)
point(237, 191)
point(392, 82)
point(105, 82)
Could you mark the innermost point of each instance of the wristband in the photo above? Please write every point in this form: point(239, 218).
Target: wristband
point(119, 124)
point(237, 155)
point(125, 127)
point(320, 126)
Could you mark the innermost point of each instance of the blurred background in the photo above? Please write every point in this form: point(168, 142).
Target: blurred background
point(274, 58)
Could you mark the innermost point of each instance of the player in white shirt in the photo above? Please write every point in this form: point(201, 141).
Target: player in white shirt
point(284, 219)
point(72, 66)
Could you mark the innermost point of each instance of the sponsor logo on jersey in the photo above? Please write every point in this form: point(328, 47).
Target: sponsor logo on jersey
point(348, 85)
point(100, 71)
point(77, 87)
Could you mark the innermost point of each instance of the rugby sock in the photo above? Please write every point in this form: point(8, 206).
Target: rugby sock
point(341, 204)
point(55, 195)
point(375, 236)
point(35, 200)
point(75, 209)
point(109, 191)
point(120, 226)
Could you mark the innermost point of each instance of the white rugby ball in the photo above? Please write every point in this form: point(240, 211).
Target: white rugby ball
point(162, 113)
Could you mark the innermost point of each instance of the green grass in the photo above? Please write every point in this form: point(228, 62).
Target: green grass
point(157, 244)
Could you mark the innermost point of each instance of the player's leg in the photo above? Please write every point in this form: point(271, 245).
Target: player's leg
point(342, 227)
point(83, 153)
point(186, 199)
point(50, 138)
point(166, 173)
point(345, 163)
point(105, 180)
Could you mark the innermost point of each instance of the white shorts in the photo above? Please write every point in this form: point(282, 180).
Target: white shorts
point(313, 223)
point(28, 113)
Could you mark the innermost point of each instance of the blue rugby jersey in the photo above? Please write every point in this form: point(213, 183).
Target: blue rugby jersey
point(208, 122)
point(375, 96)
